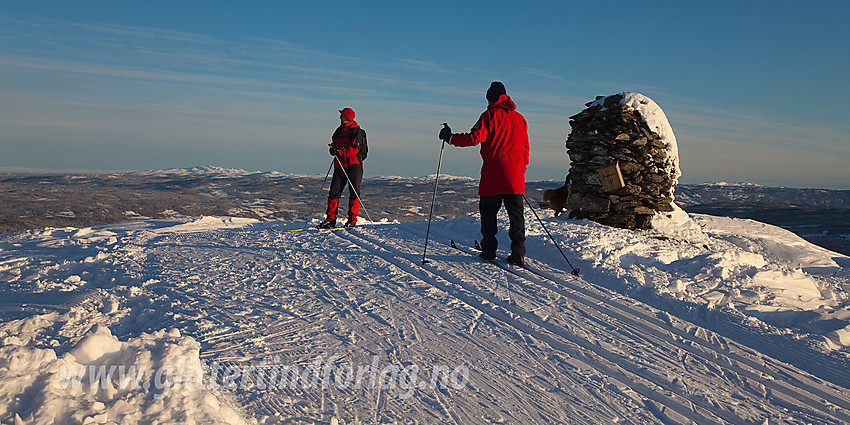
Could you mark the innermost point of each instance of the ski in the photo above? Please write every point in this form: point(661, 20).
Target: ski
point(314, 228)
point(503, 265)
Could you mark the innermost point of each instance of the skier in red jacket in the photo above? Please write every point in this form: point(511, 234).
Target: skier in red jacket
point(345, 148)
point(503, 135)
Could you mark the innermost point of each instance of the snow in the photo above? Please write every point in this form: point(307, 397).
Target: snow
point(95, 345)
point(104, 380)
point(741, 184)
point(722, 262)
point(209, 171)
point(702, 319)
point(207, 224)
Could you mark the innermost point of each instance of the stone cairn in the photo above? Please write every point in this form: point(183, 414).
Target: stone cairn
point(621, 171)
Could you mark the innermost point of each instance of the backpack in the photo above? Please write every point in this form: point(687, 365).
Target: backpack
point(362, 147)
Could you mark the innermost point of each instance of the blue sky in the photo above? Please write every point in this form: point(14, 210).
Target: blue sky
point(755, 91)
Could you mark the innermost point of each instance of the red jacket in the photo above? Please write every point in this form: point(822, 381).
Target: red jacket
point(503, 135)
point(346, 139)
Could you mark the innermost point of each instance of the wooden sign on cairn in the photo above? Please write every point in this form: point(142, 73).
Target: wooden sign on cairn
point(624, 162)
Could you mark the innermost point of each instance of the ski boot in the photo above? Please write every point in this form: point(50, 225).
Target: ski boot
point(327, 224)
point(486, 256)
point(516, 260)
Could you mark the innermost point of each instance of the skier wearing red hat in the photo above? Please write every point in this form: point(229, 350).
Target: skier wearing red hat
point(347, 148)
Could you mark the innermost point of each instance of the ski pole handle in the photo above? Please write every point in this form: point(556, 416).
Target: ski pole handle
point(446, 132)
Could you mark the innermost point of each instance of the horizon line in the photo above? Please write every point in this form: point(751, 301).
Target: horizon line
point(82, 171)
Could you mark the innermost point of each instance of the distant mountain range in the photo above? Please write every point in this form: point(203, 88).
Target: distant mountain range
point(821, 216)
point(208, 172)
point(714, 193)
point(31, 201)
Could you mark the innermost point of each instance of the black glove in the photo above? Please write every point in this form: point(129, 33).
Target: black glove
point(333, 151)
point(446, 132)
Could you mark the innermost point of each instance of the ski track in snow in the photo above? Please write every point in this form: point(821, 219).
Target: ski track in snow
point(541, 345)
point(614, 353)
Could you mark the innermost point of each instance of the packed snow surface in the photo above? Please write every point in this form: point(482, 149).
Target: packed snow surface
point(224, 320)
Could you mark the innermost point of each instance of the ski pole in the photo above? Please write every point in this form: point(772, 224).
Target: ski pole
point(307, 223)
point(351, 186)
point(434, 198)
point(575, 271)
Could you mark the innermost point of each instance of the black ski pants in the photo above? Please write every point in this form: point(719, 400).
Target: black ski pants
point(489, 206)
point(338, 181)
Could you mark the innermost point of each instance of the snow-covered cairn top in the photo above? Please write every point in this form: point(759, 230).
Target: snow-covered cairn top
point(631, 131)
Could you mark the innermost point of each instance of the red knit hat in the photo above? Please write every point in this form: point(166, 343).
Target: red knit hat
point(348, 113)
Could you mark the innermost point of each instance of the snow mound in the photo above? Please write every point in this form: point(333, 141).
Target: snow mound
point(677, 224)
point(153, 378)
point(98, 343)
point(754, 268)
point(208, 223)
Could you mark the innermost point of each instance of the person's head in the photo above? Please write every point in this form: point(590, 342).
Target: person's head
point(346, 115)
point(495, 91)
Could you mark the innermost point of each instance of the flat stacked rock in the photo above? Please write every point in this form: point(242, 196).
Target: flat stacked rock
point(629, 135)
